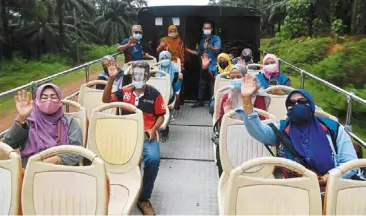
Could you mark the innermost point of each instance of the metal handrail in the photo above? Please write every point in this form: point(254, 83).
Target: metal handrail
point(350, 95)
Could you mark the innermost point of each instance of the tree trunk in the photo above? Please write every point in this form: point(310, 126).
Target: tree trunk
point(6, 51)
point(60, 9)
point(279, 25)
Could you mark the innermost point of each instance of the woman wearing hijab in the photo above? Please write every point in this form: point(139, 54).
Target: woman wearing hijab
point(174, 44)
point(320, 144)
point(271, 72)
point(42, 125)
point(118, 81)
point(166, 65)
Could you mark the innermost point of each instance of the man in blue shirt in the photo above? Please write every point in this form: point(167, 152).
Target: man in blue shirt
point(210, 44)
point(132, 47)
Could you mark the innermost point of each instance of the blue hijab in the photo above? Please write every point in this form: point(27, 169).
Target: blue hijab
point(171, 69)
point(310, 140)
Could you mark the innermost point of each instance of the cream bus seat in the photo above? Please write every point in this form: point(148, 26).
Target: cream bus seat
point(218, 97)
point(50, 189)
point(256, 195)
point(118, 140)
point(91, 98)
point(10, 181)
point(79, 115)
point(236, 147)
point(322, 113)
point(345, 196)
point(277, 106)
point(221, 81)
point(163, 85)
point(254, 72)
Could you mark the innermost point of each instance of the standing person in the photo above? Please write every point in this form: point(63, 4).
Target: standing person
point(210, 44)
point(174, 44)
point(151, 103)
point(132, 47)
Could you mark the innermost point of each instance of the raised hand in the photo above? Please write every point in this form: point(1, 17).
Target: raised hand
point(227, 105)
point(241, 61)
point(132, 41)
point(205, 61)
point(249, 86)
point(24, 105)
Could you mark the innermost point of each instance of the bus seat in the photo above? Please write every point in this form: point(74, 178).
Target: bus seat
point(10, 181)
point(118, 140)
point(322, 113)
point(277, 106)
point(254, 72)
point(91, 98)
point(163, 85)
point(257, 195)
point(221, 81)
point(79, 115)
point(218, 96)
point(50, 189)
point(236, 147)
point(345, 196)
point(150, 62)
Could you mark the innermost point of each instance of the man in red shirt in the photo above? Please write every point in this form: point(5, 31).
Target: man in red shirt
point(151, 103)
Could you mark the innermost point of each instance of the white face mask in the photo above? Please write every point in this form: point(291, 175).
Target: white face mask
point(271, 68)
point(206, 31)
point(172, 35)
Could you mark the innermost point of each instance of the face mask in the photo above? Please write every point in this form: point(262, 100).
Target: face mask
point(165, 62)
point(246, 58)
point(223, 64)
point(137, 36)
point(48, 107)
point(206, 31)
point(271, 68)
point(138, 84)
point(235, 83)
point(172, 35)
point(299, 113)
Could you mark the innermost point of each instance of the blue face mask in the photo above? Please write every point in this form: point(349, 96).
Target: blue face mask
point(299, 113)
point(137, 36)
point(236, 83)
point(165, 62)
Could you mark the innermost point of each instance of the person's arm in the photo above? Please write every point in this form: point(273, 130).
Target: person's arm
point(346, 151)
point(107, 94)
point(126, 43)
point(159, 110)
point(17, 135)
point(161, 46)
point(217, 46)
point(76, 139)
point(147, 55)
point(193, 52)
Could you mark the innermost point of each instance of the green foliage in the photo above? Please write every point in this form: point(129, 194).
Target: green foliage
point(99, 51)
point(337, 27)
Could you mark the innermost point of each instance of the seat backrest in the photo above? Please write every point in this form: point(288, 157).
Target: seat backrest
point(10, 181)
point(90, 97)
point(256, 195)
point(277, 107)
point(218, 97)
point(322, 113)
point(254, 72)
point(79, 115)
point(161, 83)
point(51, 189)
point(221, 81)
point(345, 196)
point(118, 140)
point(238, 146)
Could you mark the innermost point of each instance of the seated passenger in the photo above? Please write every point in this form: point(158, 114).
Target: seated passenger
point(42, 125)
point(118, 81)
point(320, 144)
point(223, 65)
point(271, 72)
point(233, 100)
point(176, 77)
point(174, 44)
point(151, 103)
point(245, 58)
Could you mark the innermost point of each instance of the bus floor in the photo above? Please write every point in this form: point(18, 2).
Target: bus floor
point(187, 179)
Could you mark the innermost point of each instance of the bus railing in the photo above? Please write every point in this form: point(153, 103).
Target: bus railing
point(32, 86)
point(350, 96)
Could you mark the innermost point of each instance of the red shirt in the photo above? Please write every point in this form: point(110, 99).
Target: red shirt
point(151, 103)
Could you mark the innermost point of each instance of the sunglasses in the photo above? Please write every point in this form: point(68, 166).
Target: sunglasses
point(137, 32)
point(291, 102)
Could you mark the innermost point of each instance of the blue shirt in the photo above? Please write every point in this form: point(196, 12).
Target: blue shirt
point(133, 53)
point(264, 134)
point(215, 42)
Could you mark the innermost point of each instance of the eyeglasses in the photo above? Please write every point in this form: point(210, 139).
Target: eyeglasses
point(291, 102)
point(137, 32)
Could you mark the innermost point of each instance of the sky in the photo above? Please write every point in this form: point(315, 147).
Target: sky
point(176, 2)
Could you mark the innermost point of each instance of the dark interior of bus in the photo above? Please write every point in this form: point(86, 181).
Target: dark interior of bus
point(236, 33)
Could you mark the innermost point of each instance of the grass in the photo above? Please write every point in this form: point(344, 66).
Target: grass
point(28, 71)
